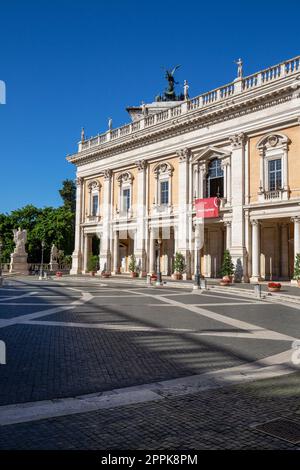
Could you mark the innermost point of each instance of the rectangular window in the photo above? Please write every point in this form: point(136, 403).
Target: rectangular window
point(275, 175)
point(164, 192)
point(95, 205)
point(126, 199)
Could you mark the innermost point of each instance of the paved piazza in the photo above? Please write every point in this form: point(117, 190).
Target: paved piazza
point(104, 364)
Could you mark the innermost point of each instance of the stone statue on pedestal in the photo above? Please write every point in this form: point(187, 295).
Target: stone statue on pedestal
point(18, 259)
point(53, 258)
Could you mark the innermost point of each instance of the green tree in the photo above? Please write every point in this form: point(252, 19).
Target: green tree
point(68, 194)
point(132, 265)
point(297, 267)
point(53, 225)
point(227, 268)
point(178, 264)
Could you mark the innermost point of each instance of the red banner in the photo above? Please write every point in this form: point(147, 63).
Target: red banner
point(207, 207)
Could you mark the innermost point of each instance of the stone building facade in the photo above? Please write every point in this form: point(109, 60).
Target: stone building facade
point(136, 184)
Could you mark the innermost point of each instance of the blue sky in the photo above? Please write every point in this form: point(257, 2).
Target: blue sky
point(68, 64)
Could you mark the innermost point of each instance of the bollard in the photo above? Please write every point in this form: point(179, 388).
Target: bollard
point(203, 284)
point(148, 279)
point(257, 290)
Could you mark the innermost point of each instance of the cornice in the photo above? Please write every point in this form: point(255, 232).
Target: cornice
point(246, 103)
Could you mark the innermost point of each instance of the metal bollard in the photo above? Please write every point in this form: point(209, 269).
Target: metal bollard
point(148, 279)
point(257, 290)
point(203, 284)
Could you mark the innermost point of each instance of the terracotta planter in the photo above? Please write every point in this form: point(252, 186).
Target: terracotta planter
point(134, 274)
point(106, 275)
point(274, 289)
point(225, 283)
point(298, 282)
point(227, 279)
point(58, 274)
point(176, 276)
point(92, 273)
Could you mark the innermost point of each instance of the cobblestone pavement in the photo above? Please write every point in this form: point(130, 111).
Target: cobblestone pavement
point(219, 419)
point(75, 337)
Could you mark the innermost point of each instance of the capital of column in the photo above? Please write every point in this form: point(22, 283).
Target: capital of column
point(79, 181)
point(225, 162)
point(107, 174)
point(184, 154)
point(237, 140)
point(296, 219)
point(141, 165)
point(255, 222)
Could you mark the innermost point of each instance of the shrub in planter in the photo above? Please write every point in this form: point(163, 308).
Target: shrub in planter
point(227, 269)
point(132, 266)
point(274, 286)
point(93, 264)
point(178, 266)
point(296, 275)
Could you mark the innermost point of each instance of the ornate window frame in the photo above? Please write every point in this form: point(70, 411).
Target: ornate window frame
point(125, 181)
point(94, 188)
point(273, 146)
point(200, 164)
point(163, 171)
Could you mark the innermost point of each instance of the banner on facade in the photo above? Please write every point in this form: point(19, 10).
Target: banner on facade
point(207, 207)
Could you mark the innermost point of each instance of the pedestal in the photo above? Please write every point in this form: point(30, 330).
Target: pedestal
point(18, 264)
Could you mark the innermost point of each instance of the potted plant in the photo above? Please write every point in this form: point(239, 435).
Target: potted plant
point(296, 275)
point(274, 286)
point(227, 269)
point(105, 274)
point(92, 264)
point(178, 266)
point(133, 266)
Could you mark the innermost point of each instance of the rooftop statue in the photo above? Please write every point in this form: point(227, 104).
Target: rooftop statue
point(169, 93)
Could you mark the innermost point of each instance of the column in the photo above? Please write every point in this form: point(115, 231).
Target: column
point(224, 168)
point(284, 250)
point(116, 266)
point(184, 208)
point(86, 247)
point(238, 249)
point(296, 221)
point(141, 231)
point(105, 253)
point(202, 173)
point(255, 251)
point(152, 251)
point(77, 255)
point(228, 234)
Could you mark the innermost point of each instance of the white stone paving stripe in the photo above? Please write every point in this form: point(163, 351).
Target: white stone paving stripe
point(128, 328)
point(213, 304)
point(257, 331)
point(270, 367)
point(28, 294)
point(86, 296)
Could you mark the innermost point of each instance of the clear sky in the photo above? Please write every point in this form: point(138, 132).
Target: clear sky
point(68, 64)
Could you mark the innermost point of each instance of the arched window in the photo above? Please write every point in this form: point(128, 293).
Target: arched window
point(215, 179)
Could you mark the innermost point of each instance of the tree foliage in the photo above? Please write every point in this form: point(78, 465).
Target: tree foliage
point(53, 225)
point(227, 268)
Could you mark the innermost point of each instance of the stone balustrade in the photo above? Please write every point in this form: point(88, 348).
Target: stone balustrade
point(207, 99)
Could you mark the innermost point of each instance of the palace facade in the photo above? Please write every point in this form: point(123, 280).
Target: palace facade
point(136, 184)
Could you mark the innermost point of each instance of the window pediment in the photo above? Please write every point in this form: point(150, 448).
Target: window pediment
point(94, 186)
point(163, 168)
point(125, 177)
point(210, 152)
point(271, 141)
